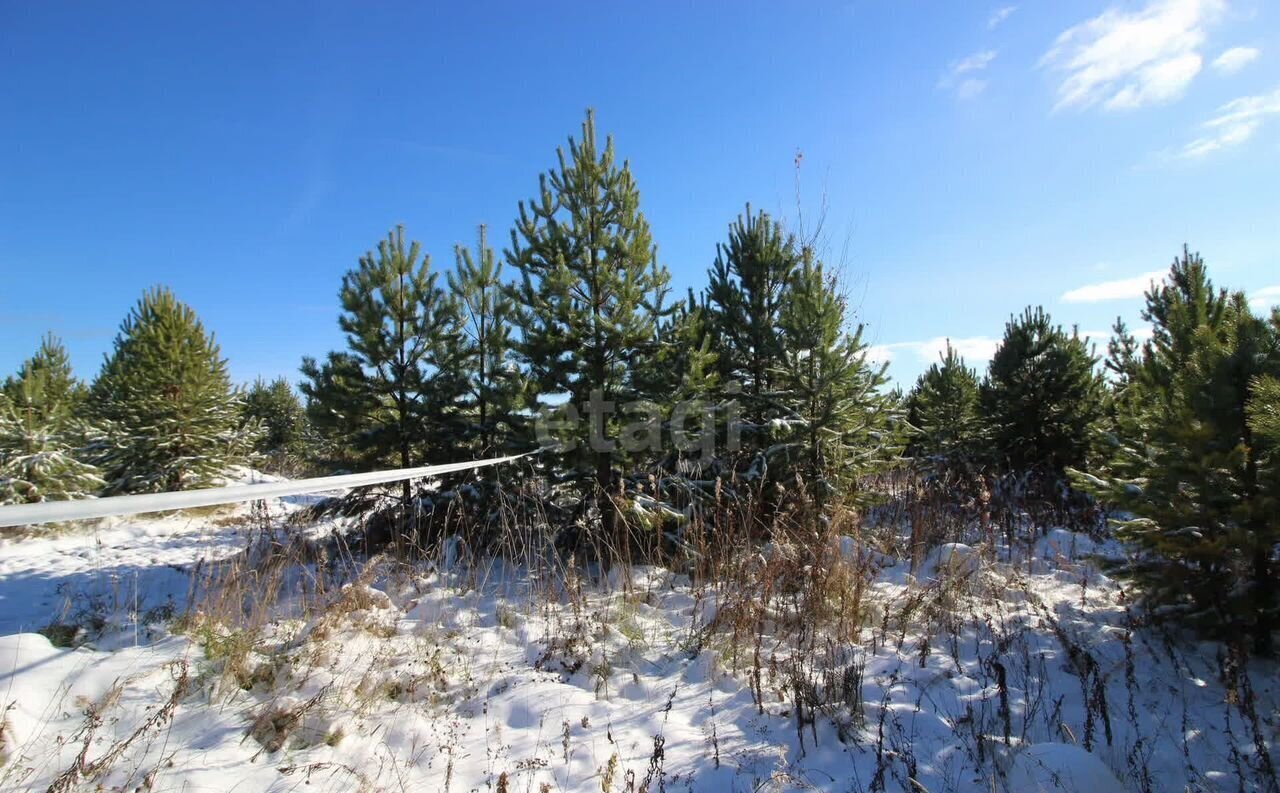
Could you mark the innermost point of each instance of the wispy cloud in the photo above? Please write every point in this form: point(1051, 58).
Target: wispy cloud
point(1121, 289)
point(977, 351)
point(999, 15)
point(1128, 59)
point(1233, 124)
point(1235, 59)
point(962, 76)
point(1264, 298)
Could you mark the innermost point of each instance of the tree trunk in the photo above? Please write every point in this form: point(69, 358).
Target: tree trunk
point(1264, 584)
point(604, 503)
point(406, 496)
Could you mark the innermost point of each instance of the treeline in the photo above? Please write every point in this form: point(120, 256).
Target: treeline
point(161, 415)
point(751, 400)
point(568, 342)
point(1180, 443)
point(641, 405)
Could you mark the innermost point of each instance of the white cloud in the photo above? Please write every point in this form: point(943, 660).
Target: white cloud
point(1127, 59)
point(1234, 123)
point(880, 353)
point(975, 350)
point(970, 88)
point(974, 63)
point(1265, 298)
point(1000, 15)
point(1235, 59)
point(1161, 82)
point(1096, 336)
point(1121, 289)
point(962, 74)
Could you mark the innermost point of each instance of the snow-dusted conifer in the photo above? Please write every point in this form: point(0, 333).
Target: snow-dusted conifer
point(40, 437)
point(284, 438)
point(60, 390)
point(171, 418)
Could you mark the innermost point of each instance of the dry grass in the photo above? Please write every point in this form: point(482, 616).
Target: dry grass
point(786, 598)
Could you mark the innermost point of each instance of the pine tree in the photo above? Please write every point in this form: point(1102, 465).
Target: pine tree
point(40, 437)
point(384, 400)
point(1122, 353)
point(1042, 398)
point(60, 389)
point(679, 369)
point(942, 411)
point(1263, 417)
point(748, 291)
point(1121, 366)
point(336, 402)
point(837, 412)
point(285, 435)
point(171, 415)
point(489, 378)
point(1194, 460)
point(589, 296)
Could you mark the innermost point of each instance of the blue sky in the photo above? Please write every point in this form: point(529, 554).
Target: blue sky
point(969, 159)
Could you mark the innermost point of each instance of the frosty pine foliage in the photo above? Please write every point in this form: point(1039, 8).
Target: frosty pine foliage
point(169, 414)
point(59, 391)
point(40, 437)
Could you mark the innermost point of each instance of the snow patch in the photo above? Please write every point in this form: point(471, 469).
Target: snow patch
point(1060, 767)
point(950, 559)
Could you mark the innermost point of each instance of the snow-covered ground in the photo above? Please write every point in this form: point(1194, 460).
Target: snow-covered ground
point(968, 676)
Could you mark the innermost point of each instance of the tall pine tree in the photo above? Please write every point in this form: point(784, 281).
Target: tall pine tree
point(172, 418)
point(587, 302)
point(837, 414)
point(747, 293)
point(489, 378)
point(389, 398)
point(1193, 463)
